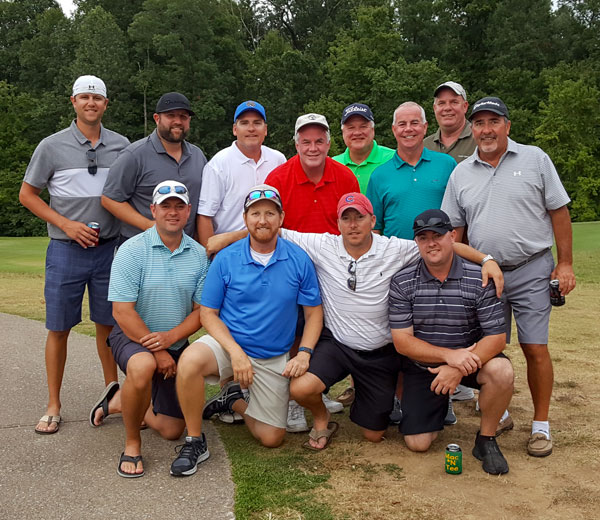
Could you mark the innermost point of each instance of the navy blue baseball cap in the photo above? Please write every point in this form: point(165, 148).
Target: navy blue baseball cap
point(490, 104)
point(432, 220)
point(247, 106)
point(173, 101)
point(357, 109)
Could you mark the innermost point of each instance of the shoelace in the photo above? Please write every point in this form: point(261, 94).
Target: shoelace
point(187, 450)
point(296, 412)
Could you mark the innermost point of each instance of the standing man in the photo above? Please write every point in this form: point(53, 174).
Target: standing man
point(231, 173)
point(163, 155)
point(73, 165)
point(362, 154)
point(155, 286)
point(511, 197)
point(454, 135)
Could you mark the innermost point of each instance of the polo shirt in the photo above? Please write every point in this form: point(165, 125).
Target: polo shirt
point(310, 207)
point(60, 164)
point(146, 163)
point(455, 313)
point(357, 319)
point(459, 150)
point(163, 284)
point(363, 171)
point(227, 179)
point(506, 207)
point(258, 303)
point(400, 191)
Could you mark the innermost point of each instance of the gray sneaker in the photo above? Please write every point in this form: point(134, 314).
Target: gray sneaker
point(450, 416)
point(463, 393)
point(190, 454)
point(331, 405)
point(231, 418)
point(296, 422)
point(396, 415)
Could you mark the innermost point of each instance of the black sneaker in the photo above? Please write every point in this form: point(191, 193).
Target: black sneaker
point(190, 454)
point(396, 415)
point(487, 450)
point(222, 402)
point(450, 415)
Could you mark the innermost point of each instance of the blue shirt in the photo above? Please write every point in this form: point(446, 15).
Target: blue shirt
point(400, 191)
point(258, 303)
point(163, 284)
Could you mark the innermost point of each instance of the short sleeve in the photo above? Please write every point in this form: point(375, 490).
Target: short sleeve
point(213, 291)
point(450, 203)
point(375, 198)
point(41, 166)
point(121, 180)
point(212, 192)
point(400, 304)
point(125, 276)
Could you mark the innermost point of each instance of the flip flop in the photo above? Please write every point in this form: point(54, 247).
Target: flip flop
point(48, 419)
point(108, 393)
point(315, 435)
point(128, 458)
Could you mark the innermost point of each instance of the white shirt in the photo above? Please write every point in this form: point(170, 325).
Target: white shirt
point(226, 180)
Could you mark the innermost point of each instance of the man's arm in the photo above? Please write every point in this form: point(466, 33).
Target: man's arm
point(205, 229)
point(563, 235)
point(126, 213)
point(161, 340)
point(313, 317)
point(489, 269)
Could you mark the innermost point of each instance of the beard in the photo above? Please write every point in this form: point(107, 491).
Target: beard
point(166, 133)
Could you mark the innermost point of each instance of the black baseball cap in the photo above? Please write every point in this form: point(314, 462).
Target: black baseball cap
point(490, 104)
point(173, 101)
point(357, 109)
point(432, 220)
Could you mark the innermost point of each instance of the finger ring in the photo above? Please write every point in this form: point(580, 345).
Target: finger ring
point(157, 343)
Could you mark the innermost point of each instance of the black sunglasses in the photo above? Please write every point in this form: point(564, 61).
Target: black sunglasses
point(92, 166)
point(352, 271)
point(434, 221)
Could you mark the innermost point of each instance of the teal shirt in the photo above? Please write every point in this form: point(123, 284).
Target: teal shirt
point(363, 171)
point(399, 191)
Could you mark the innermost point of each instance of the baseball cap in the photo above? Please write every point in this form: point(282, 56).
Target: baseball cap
point(173, 101)
point(167, 189)
point(262, 192)
point(310, 119)
point(357, 109)
point(457, 88)
point(489, 104)
point(89, 85)
point(432, 220)
point(247, 106)
point(354, 200)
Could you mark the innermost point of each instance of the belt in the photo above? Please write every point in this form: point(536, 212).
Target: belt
point(521, 264)
point(101, 241)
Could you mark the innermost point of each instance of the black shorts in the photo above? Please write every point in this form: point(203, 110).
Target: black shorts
point(424, 411)
point(164, 395)
point(375, 375)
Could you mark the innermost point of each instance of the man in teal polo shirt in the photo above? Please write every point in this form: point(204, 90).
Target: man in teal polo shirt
point(362, 154)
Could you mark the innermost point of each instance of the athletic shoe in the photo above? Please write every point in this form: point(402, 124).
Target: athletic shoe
point(539, 445)
point(504, 425)
point(231, 418)
point(296, 422)
point(332, 406)
point(463, 393)
point(190, 454)
point(488, 451)
point(396, 415)
point(450, 416)
point(346, 397)
point(222, 402)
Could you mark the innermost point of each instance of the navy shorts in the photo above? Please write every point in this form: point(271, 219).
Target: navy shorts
point(69, 269)
point(164, 394)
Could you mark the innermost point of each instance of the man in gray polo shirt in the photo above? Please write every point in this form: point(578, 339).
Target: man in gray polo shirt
point(163, 155)
point(73, 164)
point(513, 201)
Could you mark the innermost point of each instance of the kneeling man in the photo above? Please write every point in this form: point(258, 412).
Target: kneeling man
point(450, 330)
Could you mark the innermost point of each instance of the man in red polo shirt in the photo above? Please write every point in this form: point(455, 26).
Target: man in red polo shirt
point(311, 183)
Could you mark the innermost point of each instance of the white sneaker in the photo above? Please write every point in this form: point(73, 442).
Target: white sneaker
point(331, 405)
point(296, 422)
point(463, 393)
point(231, 418)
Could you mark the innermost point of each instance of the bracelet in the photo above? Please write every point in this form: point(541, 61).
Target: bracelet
point(306, 349)
point(486, 258)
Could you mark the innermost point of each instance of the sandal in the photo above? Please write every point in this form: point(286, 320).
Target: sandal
point(108, 393)
point(315, 435)
point(128, 458)
point(48, 419)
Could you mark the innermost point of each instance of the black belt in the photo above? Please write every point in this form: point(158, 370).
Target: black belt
point(521, 264)
point(101, 241)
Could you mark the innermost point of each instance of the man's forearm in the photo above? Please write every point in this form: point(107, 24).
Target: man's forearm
point(313, 317)
point(489, 347)
point(125, 213)
point(418, 349)
point(215, 326)
point(130, 322)
point(468, 253)
point(204, 228)
point(563, 234)
point(188, 326)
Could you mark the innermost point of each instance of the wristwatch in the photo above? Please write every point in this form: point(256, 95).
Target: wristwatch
point(486, 258)
point(306, 349)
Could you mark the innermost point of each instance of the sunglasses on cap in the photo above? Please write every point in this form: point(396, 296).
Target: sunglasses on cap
point(262, 194)
point(180, 190)
point(434, 221)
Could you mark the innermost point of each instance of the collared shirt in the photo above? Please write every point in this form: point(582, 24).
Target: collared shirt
point(455, 313)
point(309, 207)
point(60, 163)
point(357, 319)
point(400, 191)
point(459, 150)
point(227, 179)
point(378, 156)
point(258, 303)
point(506, 207)
point(163, 284)
point(144, 164)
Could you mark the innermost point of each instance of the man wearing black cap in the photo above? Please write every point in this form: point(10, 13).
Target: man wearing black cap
point(163, 155)
point(450, 329)
point(513, 202)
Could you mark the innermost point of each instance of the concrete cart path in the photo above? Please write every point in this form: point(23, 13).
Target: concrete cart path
point(72, 474)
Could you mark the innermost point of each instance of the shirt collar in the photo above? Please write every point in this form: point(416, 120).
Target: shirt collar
point(425, 156)
point(510, 148)
point(242, 159)
point(466, 132)
point(346, 256)
point(456, 270)
point(158, 146)
point(82, 139)
point(372, 158)
point(280, 252)
point(156, 241)
point(301, 177)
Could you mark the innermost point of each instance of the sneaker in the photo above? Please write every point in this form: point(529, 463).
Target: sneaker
point(396, 415)
point(190, 454)
point(489, 453)
point(504, 425)
point(296, 422)
point(222, 402)
point(463, 393)
point(346, 397)
point(331, 405)
point(450, 416)
point(539, 445)
point(231, 418)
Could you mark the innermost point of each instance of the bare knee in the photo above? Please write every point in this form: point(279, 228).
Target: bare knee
point(372, 435)
point(535, 353)
point(420, 442)
point(272, 437)
point(197, 360)
point(498, 374)
point(305, 386)
point(169, 428)
point(140, 369)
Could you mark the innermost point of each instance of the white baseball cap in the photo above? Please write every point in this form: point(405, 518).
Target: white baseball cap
point(311, 119)
point(457, 88)
point(89, 85)
point(168, 189)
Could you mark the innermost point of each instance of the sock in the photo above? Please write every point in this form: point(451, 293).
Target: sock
point(504, 415)
point(189, 438)
point(484, 438)
point(541, 427)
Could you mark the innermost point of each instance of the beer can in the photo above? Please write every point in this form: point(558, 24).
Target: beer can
point(453, 459)
point(556, 298)
point(96, 227)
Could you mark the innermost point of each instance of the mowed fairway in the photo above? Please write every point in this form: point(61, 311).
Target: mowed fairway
point(356, 480)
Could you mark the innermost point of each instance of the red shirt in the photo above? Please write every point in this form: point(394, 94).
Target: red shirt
point(309, 207)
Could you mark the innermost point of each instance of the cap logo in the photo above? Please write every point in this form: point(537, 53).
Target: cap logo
point(312, 117)
point(350, 198)
point(355, 109)
point(486, 103)
point(250, 104)
point(92, 87)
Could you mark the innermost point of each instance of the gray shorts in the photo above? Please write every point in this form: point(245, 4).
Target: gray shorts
point(269, 391)
point(527, 296)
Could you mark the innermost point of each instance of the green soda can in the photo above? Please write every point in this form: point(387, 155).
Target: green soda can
point(453, 459)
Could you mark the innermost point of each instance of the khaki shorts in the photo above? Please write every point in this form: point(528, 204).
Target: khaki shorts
point(269, 392)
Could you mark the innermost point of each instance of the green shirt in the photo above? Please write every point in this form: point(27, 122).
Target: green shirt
point(459, 150)
point(363, 171)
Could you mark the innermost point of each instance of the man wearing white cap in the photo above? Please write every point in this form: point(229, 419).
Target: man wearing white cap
point(73, 164)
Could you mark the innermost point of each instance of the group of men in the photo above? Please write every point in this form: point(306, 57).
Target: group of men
point(358, 243)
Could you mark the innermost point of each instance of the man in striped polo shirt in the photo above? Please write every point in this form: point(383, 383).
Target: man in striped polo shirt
point(449, 328)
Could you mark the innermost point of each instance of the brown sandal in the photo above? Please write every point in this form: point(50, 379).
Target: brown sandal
point(315, 435)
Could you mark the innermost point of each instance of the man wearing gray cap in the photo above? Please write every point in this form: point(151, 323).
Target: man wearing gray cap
point(72, 164)
point(163, 155)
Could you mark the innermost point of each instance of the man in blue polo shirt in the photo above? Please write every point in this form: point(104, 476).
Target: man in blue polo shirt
point(249, 309)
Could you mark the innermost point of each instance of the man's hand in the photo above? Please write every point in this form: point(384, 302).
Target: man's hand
point(85, 236)
point(492, 270)
point(297, 366)
point(446, 380)
point(242, 369)
point(165, 364)
point(463, 359)
point(156, 341)
point(563, 272)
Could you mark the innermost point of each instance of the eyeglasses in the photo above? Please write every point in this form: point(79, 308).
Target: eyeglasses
point(180, 190)
point(91, 157)
point(434, 221)
point(352, 271)
point(261, 194)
